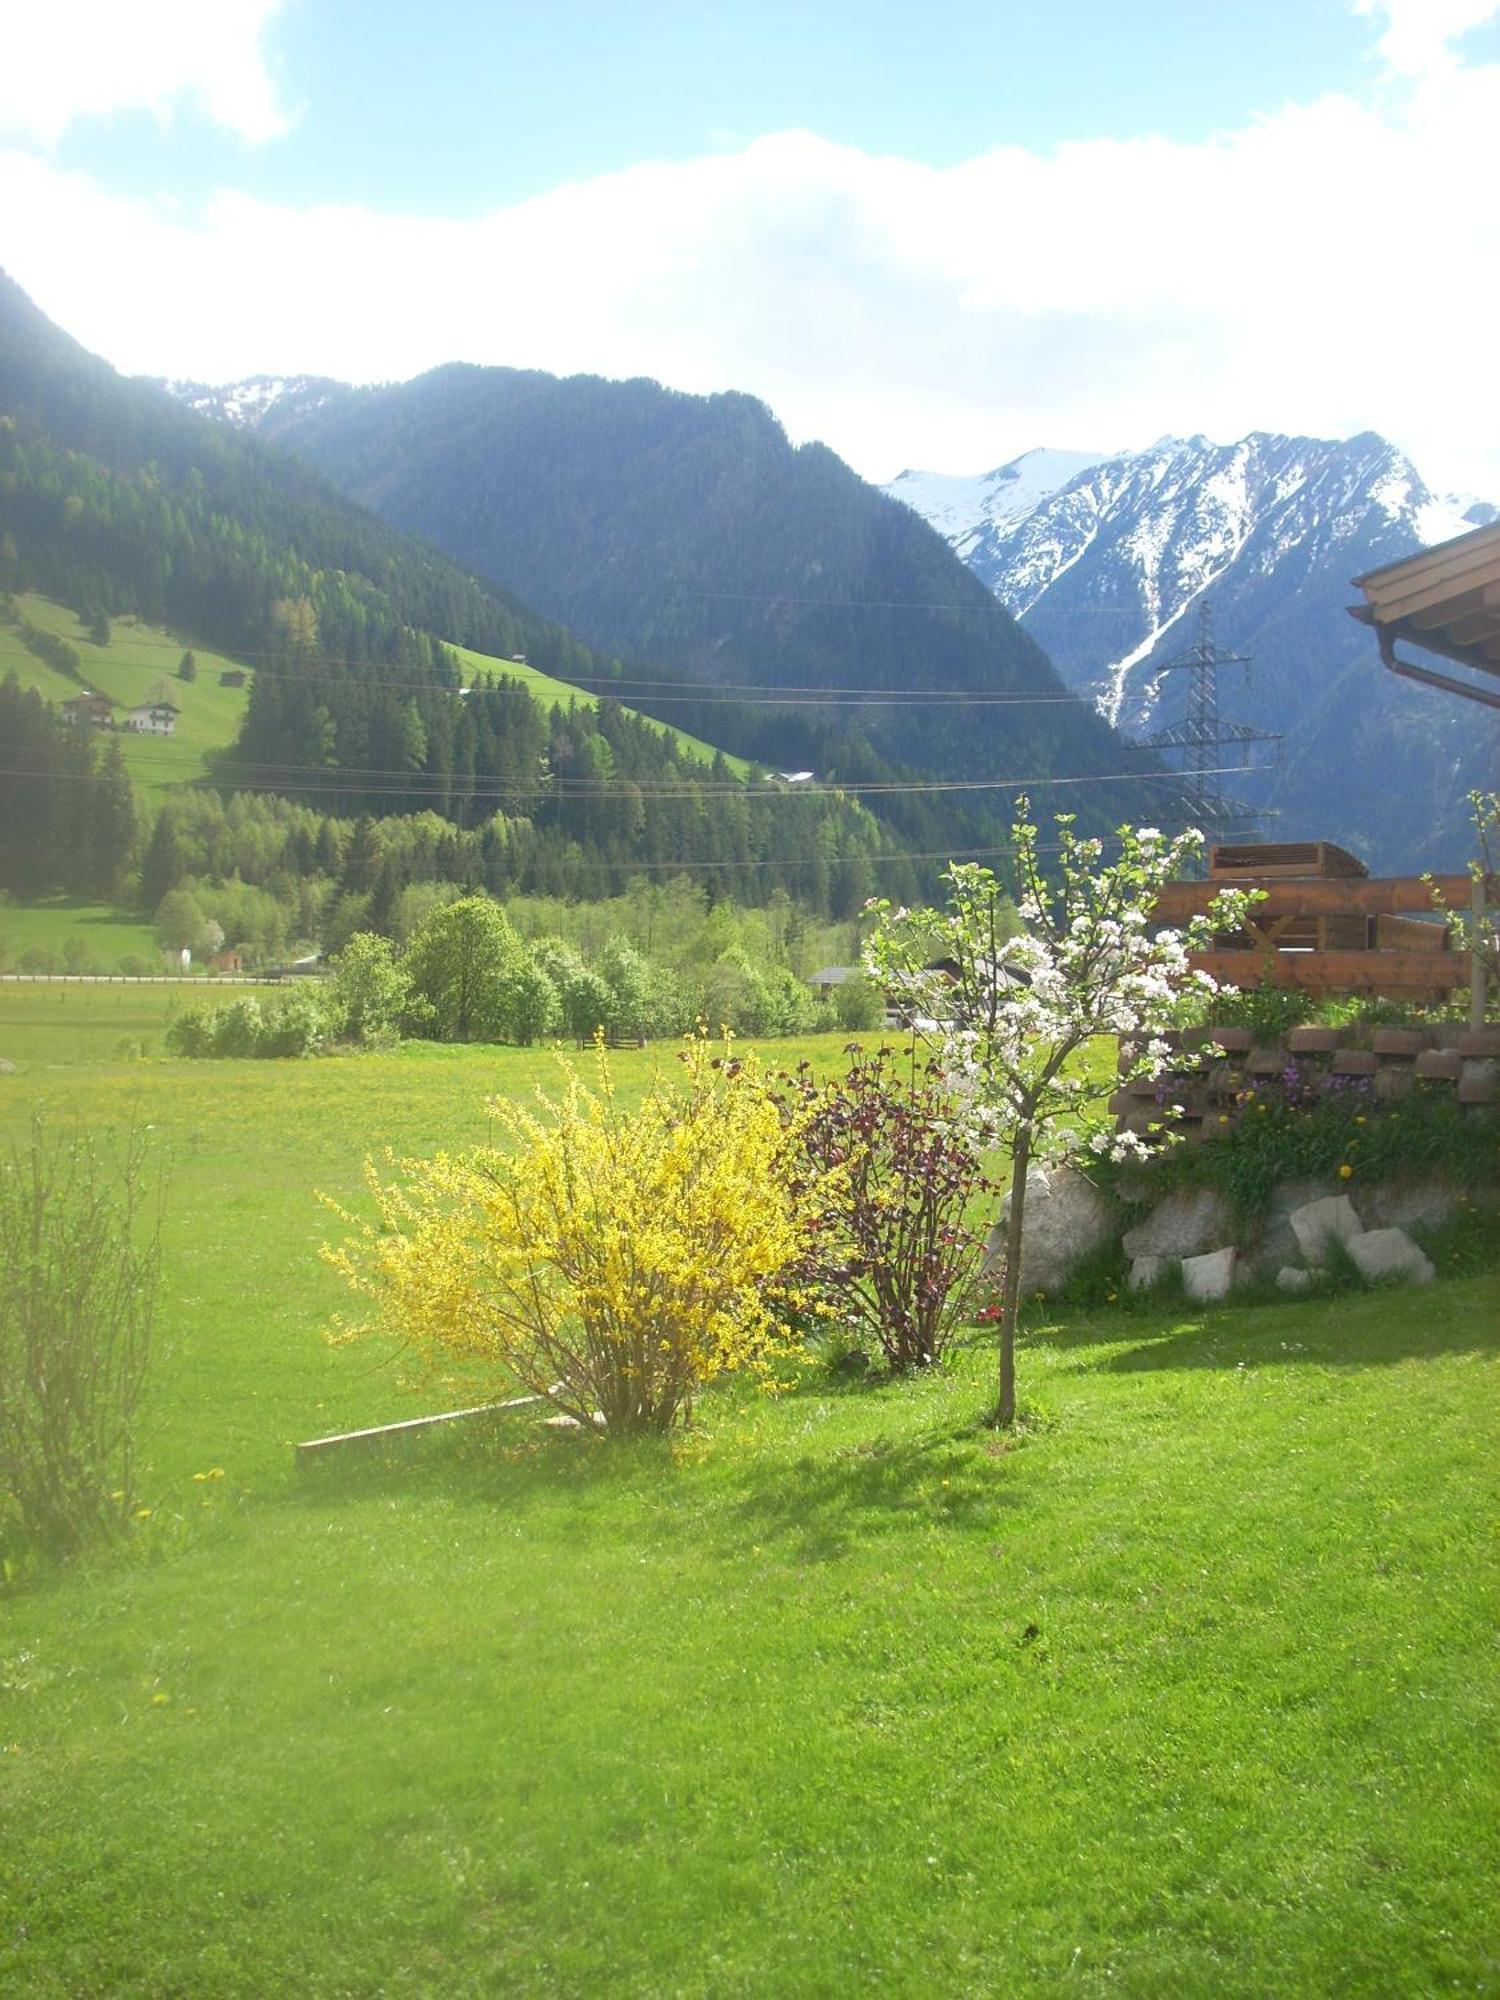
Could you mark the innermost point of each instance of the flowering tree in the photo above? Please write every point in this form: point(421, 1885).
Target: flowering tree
point(1010, 1016)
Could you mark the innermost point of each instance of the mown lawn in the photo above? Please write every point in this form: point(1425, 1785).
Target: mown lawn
point(1190, 1689)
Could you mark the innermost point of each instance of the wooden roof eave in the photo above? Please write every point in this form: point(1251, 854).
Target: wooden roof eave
point(1486, 661)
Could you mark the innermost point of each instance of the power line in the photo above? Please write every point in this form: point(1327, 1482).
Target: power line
point(426, 785)
point(801, 694)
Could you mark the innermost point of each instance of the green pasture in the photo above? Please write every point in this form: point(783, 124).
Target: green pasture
point(108, 935)
point(1186, 1689)
point(44, 1023)
point(128, 669)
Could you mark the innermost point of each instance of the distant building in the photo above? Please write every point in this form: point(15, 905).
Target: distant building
point(232, 677)
point(227, 961)
point(831, 976)
point(94, 711)
point(157, 717)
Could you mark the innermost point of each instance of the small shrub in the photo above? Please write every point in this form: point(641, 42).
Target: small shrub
point(1268, 1011)
point(298, 1026)
point(613, 1261)
point(892, 1170)
point(79, 1265)
point(369, 993)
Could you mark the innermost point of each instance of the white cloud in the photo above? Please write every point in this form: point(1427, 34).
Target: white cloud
point(67, 60)
point(1419, 34)
point(1330, 268)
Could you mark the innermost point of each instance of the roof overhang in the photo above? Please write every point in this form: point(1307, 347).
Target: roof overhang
point(1446, 600)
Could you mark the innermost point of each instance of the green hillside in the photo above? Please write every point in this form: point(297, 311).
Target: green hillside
point(544, 688)
point(139, 655)
point(127, 670)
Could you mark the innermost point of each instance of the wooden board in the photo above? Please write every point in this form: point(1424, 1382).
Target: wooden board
point(1397, 973)
point(1390, 895)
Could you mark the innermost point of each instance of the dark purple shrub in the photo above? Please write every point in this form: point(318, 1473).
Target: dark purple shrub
point(892, 1255)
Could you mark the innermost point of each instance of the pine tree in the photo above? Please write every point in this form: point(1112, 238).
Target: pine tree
point(187, 668)
point(366, 854)
point(162, 867)
point(112, 830)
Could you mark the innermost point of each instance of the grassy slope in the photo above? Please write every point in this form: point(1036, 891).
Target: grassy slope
point(128, 668)
point(1191, 1691)
point(547, 690)
point(138, 656)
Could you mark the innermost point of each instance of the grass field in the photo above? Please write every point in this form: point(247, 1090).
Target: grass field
point(108, 935)
point(1189, 1689)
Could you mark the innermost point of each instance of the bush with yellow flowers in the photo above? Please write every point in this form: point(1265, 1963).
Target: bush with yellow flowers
point(611, 1260)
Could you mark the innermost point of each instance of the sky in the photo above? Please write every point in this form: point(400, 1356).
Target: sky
point(928, 237)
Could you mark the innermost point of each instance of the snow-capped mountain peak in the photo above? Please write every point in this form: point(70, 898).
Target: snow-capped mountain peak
point(1103, 559)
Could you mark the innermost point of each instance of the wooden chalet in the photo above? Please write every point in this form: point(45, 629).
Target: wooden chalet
point(1445, 600)
point(91, 710)
point(1325, 925)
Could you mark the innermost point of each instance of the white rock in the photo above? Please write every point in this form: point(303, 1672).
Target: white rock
point(1292, 1279)
point(1145, 1271)
point(1066, 1218)
point(1333, 1219)
point(1209, 1276)
point(1186, 1223)
point(1390, 1253)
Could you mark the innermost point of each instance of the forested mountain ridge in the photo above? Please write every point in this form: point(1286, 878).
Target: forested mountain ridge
point(117, 501)
point(1105, 559)
point(688, 530)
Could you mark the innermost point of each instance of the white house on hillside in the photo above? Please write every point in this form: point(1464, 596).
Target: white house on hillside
point(157, 717)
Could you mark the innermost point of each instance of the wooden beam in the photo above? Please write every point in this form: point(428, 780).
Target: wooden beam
point(1389, 972)
point(1379, 896)
point(387, 1434)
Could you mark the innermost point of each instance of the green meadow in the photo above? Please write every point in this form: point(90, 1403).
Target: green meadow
point(107, 935)
point(1188, 1687)
point(128, 669)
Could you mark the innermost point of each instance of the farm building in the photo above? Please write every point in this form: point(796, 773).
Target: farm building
point(94, 711)
point(232, 677)
point(157, 717)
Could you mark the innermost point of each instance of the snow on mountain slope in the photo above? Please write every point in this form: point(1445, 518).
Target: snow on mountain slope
point(960, 508)
point(249, 405)
point(1104, 568)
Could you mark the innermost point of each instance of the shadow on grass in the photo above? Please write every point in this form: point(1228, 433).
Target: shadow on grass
point(819, 1507)
point(1371, 1329)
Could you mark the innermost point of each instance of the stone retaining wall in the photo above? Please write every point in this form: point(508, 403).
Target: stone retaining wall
point(1213, 1070)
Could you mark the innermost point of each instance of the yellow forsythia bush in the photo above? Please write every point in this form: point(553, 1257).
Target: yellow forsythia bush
point(611, 1260)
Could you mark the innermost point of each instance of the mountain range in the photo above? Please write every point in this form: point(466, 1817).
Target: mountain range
point(1107, 560)
point(823, 624)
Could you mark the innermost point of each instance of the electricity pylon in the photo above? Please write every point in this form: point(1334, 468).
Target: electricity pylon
point(1206, 741)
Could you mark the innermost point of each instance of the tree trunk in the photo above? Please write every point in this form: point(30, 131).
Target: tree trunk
point(1010, 1295)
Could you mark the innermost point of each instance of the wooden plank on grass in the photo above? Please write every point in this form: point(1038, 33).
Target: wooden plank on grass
point(316, 1448)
